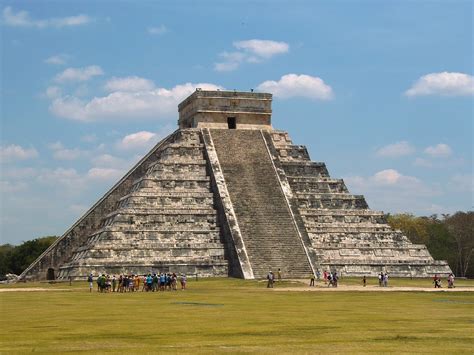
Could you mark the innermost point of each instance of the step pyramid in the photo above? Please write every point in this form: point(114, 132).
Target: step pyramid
point(227, 195)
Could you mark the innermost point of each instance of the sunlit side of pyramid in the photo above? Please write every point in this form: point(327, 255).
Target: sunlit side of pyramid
point(227, 195)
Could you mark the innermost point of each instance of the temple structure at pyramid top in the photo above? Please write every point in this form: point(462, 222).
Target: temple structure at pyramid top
point(226, 194)
point(226, 109)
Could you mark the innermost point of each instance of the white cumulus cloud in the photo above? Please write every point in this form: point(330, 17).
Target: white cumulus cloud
point(68, 177)
point(159, 103)
point(292, 85)
point(138, 140)
point(62, 153)
point(250, 51)
point(108, 161)
point(59, 59)
point(23, 19)
point(392, 191)
point(398, 149)
point(79, 74)
point(262, 48)
point(129, 83)
point(462, 182)
point(107, 174)
point(160, 30)
point(17, 152)
point(393, 177)
point(53, 92)
point(440, 150)
point(444, 84)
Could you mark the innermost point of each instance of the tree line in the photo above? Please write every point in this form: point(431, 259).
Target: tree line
point(449, 237)
point(15, 259)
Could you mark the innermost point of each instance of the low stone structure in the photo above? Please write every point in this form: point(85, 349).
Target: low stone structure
point(227, 195)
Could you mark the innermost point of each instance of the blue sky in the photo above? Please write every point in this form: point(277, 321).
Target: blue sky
point(380, 91)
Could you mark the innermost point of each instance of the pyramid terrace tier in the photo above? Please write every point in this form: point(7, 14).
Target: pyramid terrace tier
point(317, 215)
point(169, 184)
point(316, 184)
point(397, 255)
point(363, 238)
point(184, 233)
point(292, 152)
point(157, 221)
point(140, 253)
point(405, 269)
point(349, 231)
point(302, 169)
point(179, 167)
point(187, 211)
point(149, 200)
point(330, 201)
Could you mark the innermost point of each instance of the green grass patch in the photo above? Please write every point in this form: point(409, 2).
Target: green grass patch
point(236, 316)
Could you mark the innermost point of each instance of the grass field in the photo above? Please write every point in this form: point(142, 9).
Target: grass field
point(237, 316)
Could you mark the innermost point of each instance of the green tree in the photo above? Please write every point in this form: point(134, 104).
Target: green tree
point(441, 243)
point(415, 228)
point(461, 227)
point(15, 259)
point(5, 257)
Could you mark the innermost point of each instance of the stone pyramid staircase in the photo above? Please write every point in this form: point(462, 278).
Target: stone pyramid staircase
point(263, 215)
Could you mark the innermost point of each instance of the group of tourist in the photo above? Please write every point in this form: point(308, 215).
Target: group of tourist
point(437, 281)
point(330, 278)
point(131, 283)
point(271, 278)
point(383, 279)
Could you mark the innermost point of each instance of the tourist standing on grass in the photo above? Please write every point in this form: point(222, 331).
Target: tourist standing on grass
point(108, 283)
point(451, 281)
point(174, 281)
point(90, 279)
point(364, 281)
point(385, 280)
point(325, 277)
point(183, 281)
point(381, 279)
point(136, 281)
point(270, 279)
point(311, 280)
point(279, 274)
point(149, 282)
point(120, 284)
point(114, 283)
point(162, 282)
point(318, 274)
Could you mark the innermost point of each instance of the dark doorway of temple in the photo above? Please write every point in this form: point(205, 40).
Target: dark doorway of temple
point(231, 123)
point(50, 274)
